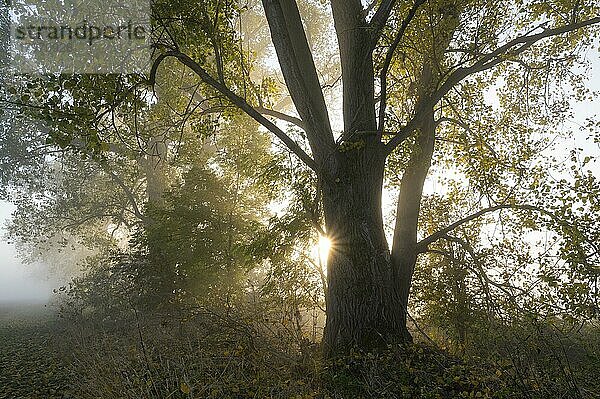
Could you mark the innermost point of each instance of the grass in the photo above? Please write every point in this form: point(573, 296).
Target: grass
point(216, 354)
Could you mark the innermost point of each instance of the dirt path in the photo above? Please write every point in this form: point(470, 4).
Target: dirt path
point(31, 366)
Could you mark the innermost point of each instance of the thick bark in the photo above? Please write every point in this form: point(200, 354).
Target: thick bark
point(363, 297)
point(362, 289)
point(368, 288)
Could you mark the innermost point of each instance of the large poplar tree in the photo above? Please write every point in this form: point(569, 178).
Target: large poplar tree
point(404, 67)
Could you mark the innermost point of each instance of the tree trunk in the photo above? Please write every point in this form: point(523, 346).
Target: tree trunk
point(404, 248)
point(367, 288)
point(363, 297)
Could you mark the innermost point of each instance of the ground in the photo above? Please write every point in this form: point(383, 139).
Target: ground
point(31, 365)
point(208, 354)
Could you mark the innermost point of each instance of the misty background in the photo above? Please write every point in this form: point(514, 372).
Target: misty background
point(19, 282)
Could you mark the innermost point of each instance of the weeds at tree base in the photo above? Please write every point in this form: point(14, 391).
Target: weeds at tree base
point(217, 354)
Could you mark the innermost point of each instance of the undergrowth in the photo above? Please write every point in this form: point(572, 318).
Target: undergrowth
point(232, 353)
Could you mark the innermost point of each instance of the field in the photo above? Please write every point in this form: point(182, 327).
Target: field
point(31, 364)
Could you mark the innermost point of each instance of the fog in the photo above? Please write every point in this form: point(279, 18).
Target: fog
point(19, 283)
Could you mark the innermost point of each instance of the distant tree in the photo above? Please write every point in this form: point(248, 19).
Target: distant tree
point(135, 178)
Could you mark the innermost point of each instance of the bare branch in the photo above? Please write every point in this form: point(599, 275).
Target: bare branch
point(236, 100)
point(388, 61)
point(280, 115)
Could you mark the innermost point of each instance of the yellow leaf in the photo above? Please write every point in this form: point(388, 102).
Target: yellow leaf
point(185, 388)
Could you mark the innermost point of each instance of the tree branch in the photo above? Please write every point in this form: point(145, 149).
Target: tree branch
point(356, 59)
point(380, 19)
point(370, 7)
point(130, 196)
point(411, 190)
point(513, 47)
point(424, 243)
point(284, 117)
point(409, 128)
point(497, 56)
point(477, 261)
point(388, 61)
point(236, 100)
point(463, 125)
point(300, 74)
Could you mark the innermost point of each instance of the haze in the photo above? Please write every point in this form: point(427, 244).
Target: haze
point(18, 283)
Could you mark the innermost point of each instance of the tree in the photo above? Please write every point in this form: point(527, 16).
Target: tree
point(404, 68)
